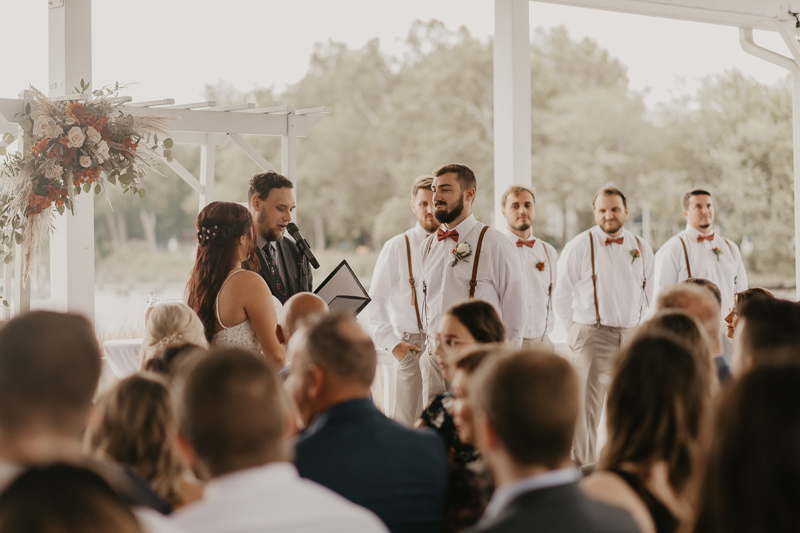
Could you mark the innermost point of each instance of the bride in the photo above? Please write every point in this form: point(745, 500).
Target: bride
point(234, 304)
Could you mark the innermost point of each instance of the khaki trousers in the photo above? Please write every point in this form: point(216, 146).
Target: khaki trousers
point(408, 392)
point(539, 343)
point(433, 381)
point(594, 349)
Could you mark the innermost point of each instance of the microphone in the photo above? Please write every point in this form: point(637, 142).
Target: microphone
point(302, 244)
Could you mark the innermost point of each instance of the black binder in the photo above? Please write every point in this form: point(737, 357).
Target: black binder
point(342, 290)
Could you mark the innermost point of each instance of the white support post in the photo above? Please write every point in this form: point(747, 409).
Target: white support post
point(7, 290)
point(512, 99)
point(72, 240)
point(208, 159)
point(289, 150)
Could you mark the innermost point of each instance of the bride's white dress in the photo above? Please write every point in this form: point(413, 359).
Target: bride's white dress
point(241, 336)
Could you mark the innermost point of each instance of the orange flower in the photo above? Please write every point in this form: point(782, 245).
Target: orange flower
point(540, 266)
point(77, 111)
point(40, 146)
point(87, 175)
point(128, 145)
point(97, 123)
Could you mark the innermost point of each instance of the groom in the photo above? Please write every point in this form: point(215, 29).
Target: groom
point(270, 200)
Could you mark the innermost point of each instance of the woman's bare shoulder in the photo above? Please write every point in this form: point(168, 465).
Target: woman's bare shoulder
point(611, 489)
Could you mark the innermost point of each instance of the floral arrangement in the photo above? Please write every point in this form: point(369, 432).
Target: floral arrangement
point(460, 253)
point(72, 146)
point(540, 266)
point(635, 254)
point(717, 252)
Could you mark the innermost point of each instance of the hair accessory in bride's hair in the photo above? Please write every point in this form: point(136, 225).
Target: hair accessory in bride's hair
point(169, 340)
point(206, 234)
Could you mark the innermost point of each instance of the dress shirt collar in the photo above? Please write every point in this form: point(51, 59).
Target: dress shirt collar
point(262, 241)
point(693, 233)
point(513, 235)
point(346, 409)
point(464, 227)
point(603, 235)
point(419, 231)
point(278, 474)
point(506, 494)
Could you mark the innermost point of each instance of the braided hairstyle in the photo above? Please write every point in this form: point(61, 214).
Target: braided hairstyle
point(219, 227)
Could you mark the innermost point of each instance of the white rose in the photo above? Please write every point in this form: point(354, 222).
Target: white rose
point(42, 123)
point(93, 135)
point(462, 248)
point(75, 137)
point(85, 161)
point(54, 131)
point(102, 149)
point(53, 173)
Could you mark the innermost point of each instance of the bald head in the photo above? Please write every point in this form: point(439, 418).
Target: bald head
point(299, 308)
point(699, 302)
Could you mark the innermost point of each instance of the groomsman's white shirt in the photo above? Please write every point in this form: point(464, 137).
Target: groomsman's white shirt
point(620, 297)
point(726, 271)
point(499, 277)
point(391, 313)
point(273, 498)
point(541, 317)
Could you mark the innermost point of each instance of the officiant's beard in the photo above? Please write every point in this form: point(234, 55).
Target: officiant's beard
point(445, 217)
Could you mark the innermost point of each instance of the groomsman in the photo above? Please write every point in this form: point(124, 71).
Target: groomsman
point(699, 252)
point(601, 295)
point(395, 311)
point(538, 265)
point(466, 259)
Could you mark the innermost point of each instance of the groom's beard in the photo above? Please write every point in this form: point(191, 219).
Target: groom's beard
point(445, 217)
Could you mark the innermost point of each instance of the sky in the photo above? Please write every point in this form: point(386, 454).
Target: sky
point(172, 48)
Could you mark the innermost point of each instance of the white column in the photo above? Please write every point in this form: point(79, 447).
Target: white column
point(208, 160)
point(512, 99)
point(289, 150)
point(72, 241)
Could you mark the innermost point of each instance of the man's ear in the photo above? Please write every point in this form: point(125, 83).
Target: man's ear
point(685, 214)
point(316, 381)
point(255, 202)
point(279, 334)
point(471, 194)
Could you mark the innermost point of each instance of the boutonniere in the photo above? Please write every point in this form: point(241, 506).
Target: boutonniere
point(635, 255)
point(717, 252)
point(540, 266)
point(460, 253)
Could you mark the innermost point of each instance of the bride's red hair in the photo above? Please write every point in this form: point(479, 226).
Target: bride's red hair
point(219, 227)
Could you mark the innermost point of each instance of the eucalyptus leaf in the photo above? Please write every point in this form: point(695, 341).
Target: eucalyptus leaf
point(167, 154)
point(97, 189)
point(142, 193)
point(169, 159)
point(8, 259)
point(168, 144)
point(28, 109)
point(60, 210)
point(18, 238)
point(112, 179)
point(5, 304)
point(8, 138)
point(87, 187)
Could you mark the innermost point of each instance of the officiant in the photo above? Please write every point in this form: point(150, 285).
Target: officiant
point(271, 201)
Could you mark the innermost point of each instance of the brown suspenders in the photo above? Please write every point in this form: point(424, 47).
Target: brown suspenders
point(411, 282)
point(594, 277)
point(474, 281)
point(689, 268)
point(686, 255)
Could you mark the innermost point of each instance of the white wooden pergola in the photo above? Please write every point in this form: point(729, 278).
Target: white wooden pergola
point(202, 123)
point(512, 83)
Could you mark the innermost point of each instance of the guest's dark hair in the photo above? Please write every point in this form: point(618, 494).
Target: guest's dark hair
point(49, 369)
point(343, 355)
point(219, 227)
point(231, 410)
point(134, 425)
point(464, 175)
point(684, 326)
point(657, 409)
point(610, 190)
point(62, 498)
point(747, 295)
point(753, 475)
point(481, 319)
point(692, 192)
point(262, 184)
point(771, 331)
point(531, 399)
point(708, 284)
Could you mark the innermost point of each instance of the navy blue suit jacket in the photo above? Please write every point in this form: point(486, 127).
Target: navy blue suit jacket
point(397, 473)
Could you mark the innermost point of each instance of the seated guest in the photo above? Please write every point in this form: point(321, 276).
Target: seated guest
point(767, 333)
point(656, 430)
point(298, 308)
point(753, 474)
point(351, 447)
point(170, 361)
point(739, 299)
point(526, 408)
point(171, 324)
point(700, 303)
point(232, 426)
point(61, 498)
point(725, 342)
point(134, 425)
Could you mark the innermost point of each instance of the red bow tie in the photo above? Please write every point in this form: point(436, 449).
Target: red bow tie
point(701, 238)
point(529, 244)
point(618, 240)
point(442, 235)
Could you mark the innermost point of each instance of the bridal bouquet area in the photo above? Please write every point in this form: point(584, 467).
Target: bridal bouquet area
point(72, 146)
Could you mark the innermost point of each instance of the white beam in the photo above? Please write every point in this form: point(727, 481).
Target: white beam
point(235, 107)
point(313, 110)
point(205, 120)
point(196, 105)
point(154, 103)
point(182, 173)
point(208, 159)
point(274, 109)
point(257, 158)
point(72, 240)
point(512, 99)
point(289, 151)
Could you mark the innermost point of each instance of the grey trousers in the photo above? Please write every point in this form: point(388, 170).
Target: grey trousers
point(594, 349)
point(433, 381)
point(408, 396)
point(539, 343)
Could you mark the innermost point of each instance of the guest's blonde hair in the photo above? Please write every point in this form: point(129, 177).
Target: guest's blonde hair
point(171, 324)
point(134, 424)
